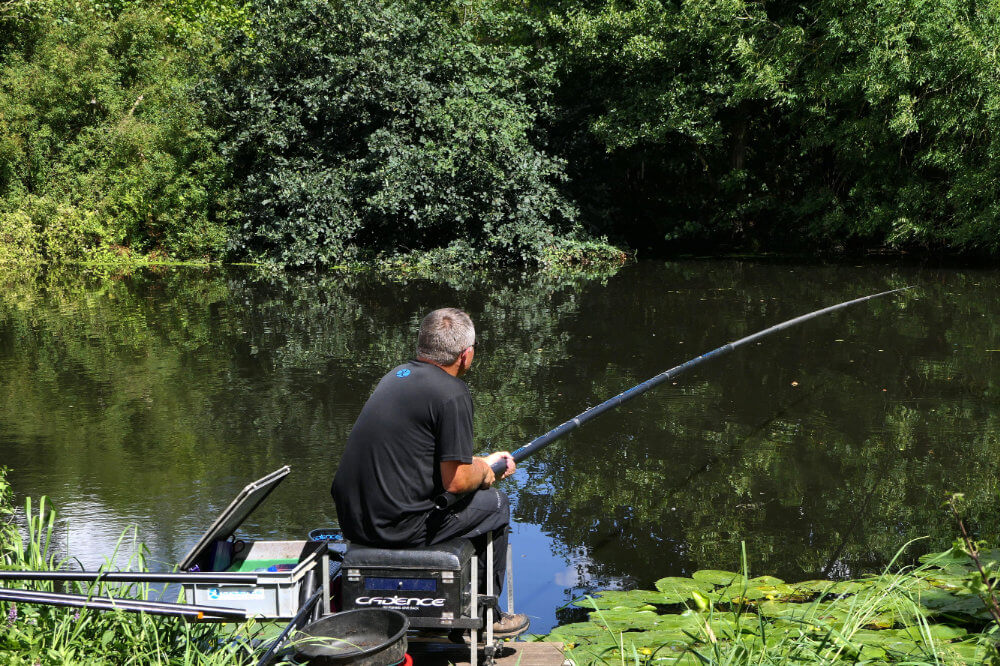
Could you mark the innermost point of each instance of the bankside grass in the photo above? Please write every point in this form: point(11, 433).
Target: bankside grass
point(39, 635)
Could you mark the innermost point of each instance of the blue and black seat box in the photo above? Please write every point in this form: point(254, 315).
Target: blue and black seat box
point(431, 585)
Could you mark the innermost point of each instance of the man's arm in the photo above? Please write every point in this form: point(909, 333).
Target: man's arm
point(459, 478)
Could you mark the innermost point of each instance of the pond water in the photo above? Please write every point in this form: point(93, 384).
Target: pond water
point(150, 400)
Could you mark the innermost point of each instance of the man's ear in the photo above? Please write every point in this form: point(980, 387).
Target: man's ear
point(463, 359)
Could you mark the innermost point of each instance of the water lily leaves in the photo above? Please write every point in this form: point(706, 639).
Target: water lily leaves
point(623, 619)
point(901, 648)
point(594, 654)
point(717, 577)
point(884, 601)
point(612, 651)
point(850, 621)
point(864, 646)
point(955, 559)
point(636, 599)
point(671, 641)
point(944, 558)
point(969, 651)
point(874, 645)
point(881, 620)
point(942, 601)
point(939, 633)
point(870, 653)
point(681, 588)
point(944, 580)
point(755, 590)
point(782, 609)
point(578, 632)
point(832, 587)
point(737, 594)
point(989, 555)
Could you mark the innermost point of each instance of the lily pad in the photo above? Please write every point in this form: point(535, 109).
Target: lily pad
point(682, 587)
point(624, 619)
point(593, 654)
point(737, 594)
point(954, 558)
point(717, 577)
point(613, 652)
point(782, 609)
point(832, 586)
point(942, 601)
point(670, 641)
point(947, 581)
point(865, 645)
point(637, 599)
point(970, 651)
point(865, 652)
point(944, 558)
point(577, 632)
point(755, 591)
point(939, 633)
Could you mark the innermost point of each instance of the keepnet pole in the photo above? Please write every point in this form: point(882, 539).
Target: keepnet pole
point(446, 499)
point(129, 605)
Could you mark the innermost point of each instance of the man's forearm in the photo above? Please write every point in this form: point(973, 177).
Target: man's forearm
point(460, 478)
point(483, 468)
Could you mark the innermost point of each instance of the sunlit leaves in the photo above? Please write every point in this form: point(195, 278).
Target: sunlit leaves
point(361, 129)
point(103, 149)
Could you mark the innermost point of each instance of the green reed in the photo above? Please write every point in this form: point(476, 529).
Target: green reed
point(39, 635)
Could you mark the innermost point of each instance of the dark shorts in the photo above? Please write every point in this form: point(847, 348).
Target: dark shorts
point(476, 517)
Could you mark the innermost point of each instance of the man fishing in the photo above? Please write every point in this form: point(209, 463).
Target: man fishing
point(412, 442)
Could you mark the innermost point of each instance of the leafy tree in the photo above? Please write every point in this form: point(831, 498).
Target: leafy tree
point(102, 147)
point(892, 105)
point(828, 124)
point(362, 128)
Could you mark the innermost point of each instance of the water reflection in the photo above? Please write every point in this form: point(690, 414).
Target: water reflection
point(153, 399)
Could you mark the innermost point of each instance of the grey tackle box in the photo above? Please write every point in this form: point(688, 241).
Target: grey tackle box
point(278, 590)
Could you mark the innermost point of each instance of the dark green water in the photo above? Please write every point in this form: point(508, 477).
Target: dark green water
point(151, 400)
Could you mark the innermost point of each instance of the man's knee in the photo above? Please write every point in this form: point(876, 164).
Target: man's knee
point(502, 503)
point(493, 507)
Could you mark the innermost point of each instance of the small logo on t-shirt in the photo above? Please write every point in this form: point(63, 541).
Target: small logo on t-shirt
point(403, 373)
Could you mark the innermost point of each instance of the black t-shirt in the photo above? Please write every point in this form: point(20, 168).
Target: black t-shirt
point(418, 416)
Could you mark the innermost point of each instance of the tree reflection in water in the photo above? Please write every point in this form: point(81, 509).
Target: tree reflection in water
point(155, 397)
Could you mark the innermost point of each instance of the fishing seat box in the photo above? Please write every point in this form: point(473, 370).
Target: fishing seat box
point(431, 585)
point(289, 573)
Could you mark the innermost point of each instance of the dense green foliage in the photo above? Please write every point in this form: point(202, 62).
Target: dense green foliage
point(362, 128)
point(102, 149)
point(864, 123)
point(307, 132)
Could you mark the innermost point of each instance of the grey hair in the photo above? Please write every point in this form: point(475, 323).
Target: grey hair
point(444, 335)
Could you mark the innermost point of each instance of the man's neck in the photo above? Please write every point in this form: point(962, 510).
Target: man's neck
point(450, 369)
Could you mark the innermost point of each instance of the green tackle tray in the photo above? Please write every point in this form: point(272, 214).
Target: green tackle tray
point(289, 574)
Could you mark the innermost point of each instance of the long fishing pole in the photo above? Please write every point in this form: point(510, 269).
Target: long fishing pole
point(129, 576)
point(446, 499)
point(130, 605)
